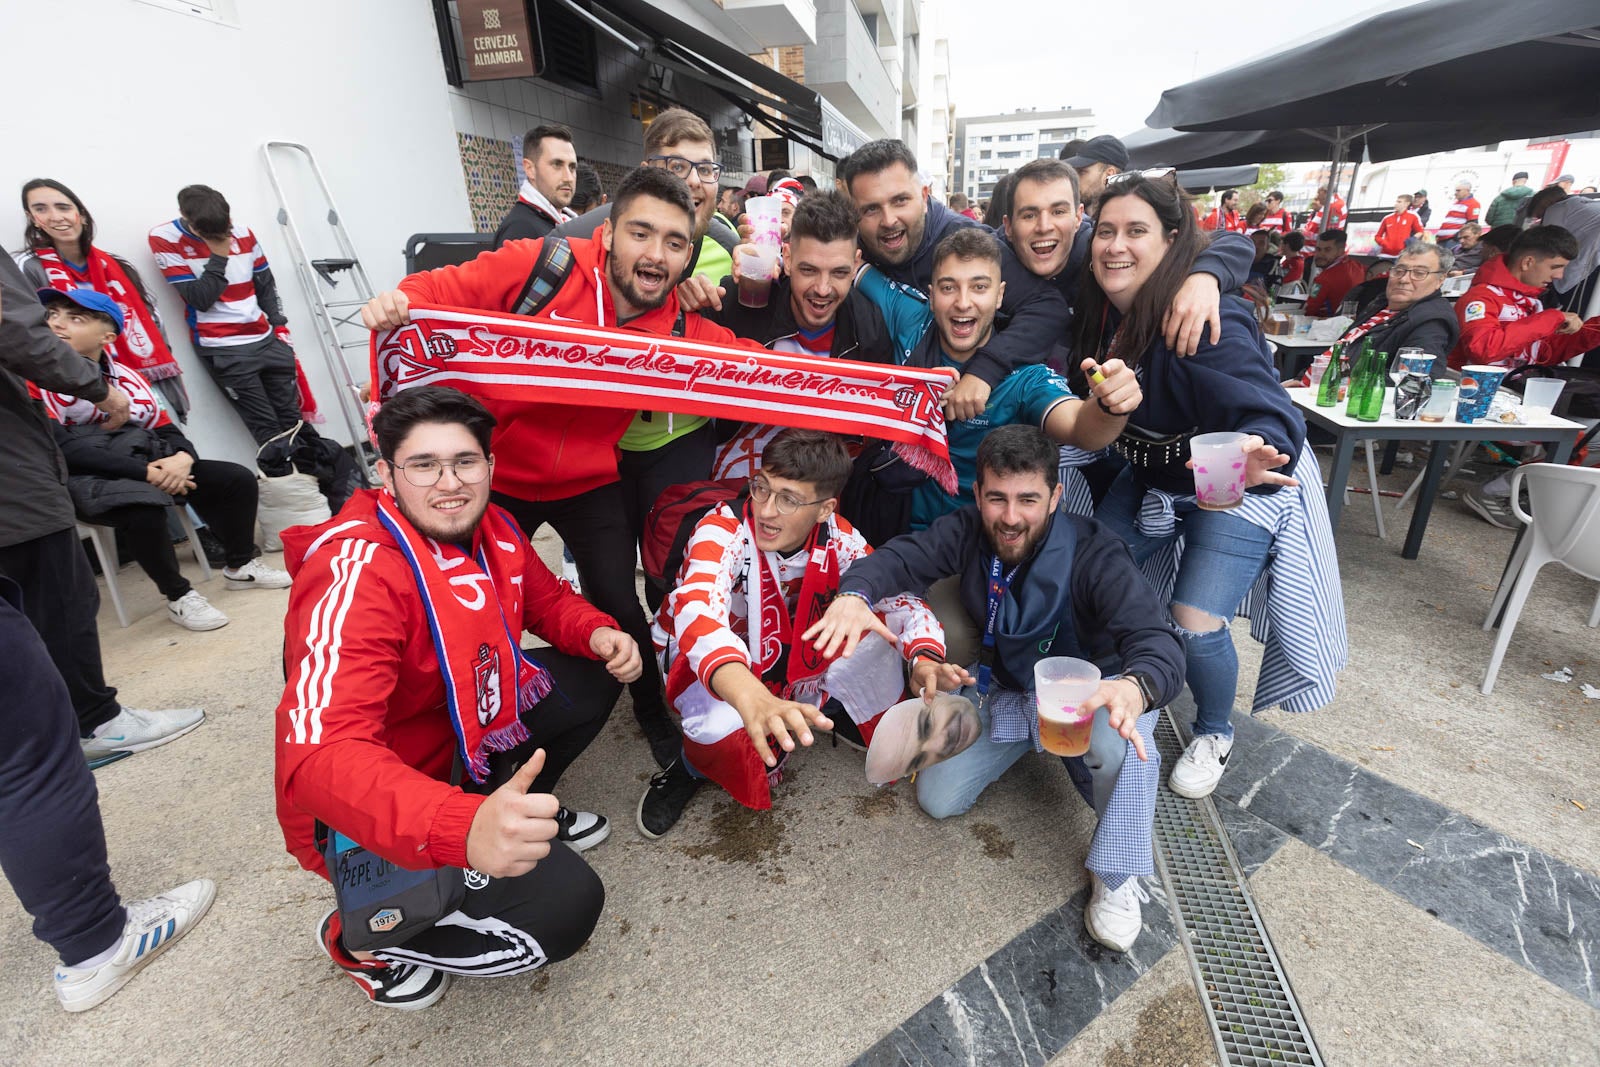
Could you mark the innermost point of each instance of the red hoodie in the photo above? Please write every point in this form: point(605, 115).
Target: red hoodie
point(1504, 324)
point(553, 451)
point(365, 742)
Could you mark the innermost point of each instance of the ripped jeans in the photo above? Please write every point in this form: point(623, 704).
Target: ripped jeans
point(1223, 555)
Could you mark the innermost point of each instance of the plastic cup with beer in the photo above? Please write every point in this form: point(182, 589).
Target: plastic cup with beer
point(1062, 687)
point(1219, 469)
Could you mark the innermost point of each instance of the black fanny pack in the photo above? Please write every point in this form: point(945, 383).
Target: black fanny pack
point(382, 904)
point(1151, 451)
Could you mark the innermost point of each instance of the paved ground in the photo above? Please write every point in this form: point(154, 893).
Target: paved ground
point(845, 925)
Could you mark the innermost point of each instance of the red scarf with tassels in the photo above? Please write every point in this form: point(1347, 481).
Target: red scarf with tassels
point(139, 345)
point(507, 357)
point(474, 606)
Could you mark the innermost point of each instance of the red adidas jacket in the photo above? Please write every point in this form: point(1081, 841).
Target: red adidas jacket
point(364, 736)
point(1331, 285)
point(1396, 229)
point(553, 451)
point(1504, 324)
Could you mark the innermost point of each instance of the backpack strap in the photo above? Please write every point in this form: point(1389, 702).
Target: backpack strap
point(549, 274)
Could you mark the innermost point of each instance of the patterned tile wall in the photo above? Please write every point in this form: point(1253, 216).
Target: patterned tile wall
point(491, 175)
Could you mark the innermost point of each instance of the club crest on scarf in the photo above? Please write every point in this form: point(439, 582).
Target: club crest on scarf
point(487, 675)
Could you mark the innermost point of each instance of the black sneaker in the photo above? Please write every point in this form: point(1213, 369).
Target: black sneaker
point(844, 727)
point(664, 800)
point(404, 986)
point(581, 829)
point(662, 735)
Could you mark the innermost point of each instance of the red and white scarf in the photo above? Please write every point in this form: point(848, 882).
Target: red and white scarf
point(474, 606)
point(774, 630)
point(139, 345)
point(529, 194)
point(1351, 336)
point(143, 407)
point(506, 357)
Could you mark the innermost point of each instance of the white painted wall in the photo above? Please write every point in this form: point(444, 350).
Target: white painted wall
point(128, 102)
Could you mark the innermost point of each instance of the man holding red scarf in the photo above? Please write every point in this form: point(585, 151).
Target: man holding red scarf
point(558, 462)
point(404, 671)
point(755, 578)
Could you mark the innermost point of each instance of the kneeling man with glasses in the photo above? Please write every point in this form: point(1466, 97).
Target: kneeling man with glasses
point(732, 636)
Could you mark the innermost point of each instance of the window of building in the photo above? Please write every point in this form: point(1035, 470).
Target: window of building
point(988, 140)
point(571, 54)
point(1024, 136)
point(985, 154)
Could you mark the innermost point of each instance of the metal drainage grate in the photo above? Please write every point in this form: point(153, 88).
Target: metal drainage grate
point(1253, 1013)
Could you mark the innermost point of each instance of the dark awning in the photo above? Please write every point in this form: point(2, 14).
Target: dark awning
point(1459, 61)
point(761, 92)
point(1207, 178)
point(1227, 148)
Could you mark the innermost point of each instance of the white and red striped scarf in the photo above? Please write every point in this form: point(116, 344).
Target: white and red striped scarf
point(1351, 336)
point(506, 357)
point(474, 606)
point(139, 345)
point(143, 407)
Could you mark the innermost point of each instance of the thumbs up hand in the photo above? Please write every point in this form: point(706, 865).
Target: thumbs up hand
point(513, 828)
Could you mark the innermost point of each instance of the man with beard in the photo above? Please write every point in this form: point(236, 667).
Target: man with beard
point(901, 225)
point(558, 463)
point(549, 177)
point(814, 310)
point(403, 674)
point(1048, 583)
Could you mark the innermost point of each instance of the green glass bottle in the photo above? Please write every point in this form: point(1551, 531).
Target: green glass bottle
point(1360, 382)
point(1372, 399)
point(1328, 388)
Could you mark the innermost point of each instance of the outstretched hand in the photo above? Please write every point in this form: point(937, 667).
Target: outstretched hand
point(847, 620)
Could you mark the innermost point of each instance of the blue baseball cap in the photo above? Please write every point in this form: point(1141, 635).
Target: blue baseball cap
point(88, 299)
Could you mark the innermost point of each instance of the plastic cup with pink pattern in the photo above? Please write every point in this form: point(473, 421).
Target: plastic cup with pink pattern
point(1219, 467)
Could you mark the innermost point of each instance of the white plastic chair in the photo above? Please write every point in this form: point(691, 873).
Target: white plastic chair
point(1564, 528)
point(104, 539)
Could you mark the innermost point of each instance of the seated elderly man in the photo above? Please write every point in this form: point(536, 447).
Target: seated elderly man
point(1411, 312)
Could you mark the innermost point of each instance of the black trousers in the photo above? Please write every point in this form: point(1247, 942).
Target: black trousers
point(564, 722)
point(646, 474)
point(52, 843)
point(509, 926)
point(593, 525)
point(224, 494)
point(60, 598)
point(259, 378)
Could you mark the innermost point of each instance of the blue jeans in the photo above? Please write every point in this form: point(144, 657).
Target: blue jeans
point(952, 787)
point(1223, 555)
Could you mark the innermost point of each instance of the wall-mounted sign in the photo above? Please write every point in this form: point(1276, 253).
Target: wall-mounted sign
point(498, 39)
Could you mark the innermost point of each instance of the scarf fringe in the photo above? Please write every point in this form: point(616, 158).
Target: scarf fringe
point(162, 370)
point(929, 462)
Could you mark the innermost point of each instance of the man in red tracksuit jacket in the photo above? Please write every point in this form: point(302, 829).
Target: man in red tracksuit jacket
point(1503, 321)
point(368, 726)
point(1336, 275)
point(1505, 324)
point(557, 463)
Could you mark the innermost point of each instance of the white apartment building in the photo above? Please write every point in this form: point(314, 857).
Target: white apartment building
point(988, 147)
point(933, 141)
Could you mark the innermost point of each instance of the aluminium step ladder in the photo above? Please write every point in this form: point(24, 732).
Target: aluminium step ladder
point(339, 328)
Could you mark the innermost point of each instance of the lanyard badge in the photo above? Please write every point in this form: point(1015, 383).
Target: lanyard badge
point(999, 585)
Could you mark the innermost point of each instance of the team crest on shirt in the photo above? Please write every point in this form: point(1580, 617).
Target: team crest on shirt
point(486, 672)
point(1475, 311)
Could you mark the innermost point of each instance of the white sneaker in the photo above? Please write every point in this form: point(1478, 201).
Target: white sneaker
point(194, 612)
point(153, 925)
point(1113, 916)
point(133, 730)
point(569, 574)
point(256, 575)
point(1199, 769)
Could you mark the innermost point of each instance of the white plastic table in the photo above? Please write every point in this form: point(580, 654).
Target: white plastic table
point(1560, 434)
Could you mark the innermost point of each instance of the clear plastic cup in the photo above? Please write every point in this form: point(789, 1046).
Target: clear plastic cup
point(1062, 686)
point(755, 277)
point(1539, 395)
point(765, 215)
point(1219, 469)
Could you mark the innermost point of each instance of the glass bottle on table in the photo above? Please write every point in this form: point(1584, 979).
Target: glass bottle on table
point(1360, 381)
point(1328, 388)
point(1372, 400)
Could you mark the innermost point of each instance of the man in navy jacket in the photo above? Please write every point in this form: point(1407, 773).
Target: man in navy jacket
point(1040, 582)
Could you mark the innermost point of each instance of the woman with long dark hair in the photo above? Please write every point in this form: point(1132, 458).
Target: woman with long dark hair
point(1144, 245)
point(59, 253)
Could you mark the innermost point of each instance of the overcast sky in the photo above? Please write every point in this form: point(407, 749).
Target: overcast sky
point(1114, 56)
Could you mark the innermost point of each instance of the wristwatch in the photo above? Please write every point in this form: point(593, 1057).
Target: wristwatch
point(1146, 684)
